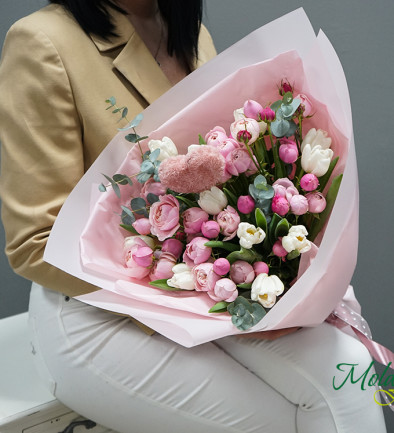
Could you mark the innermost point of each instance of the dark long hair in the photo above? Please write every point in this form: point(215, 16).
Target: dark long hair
point(183, 18)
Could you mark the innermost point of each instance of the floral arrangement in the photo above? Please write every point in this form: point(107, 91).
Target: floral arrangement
point(233, 216)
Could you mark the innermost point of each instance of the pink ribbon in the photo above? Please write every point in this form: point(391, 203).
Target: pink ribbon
point(344, 315)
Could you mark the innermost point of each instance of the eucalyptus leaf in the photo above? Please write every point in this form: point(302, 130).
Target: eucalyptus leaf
point(280, 127)
point(138, 206)
point(132, 137)
point(114, 185)
point(111, 100)
point(102, 187)
point(154, 155)
point(292, 128)
point(143, 177)
point(124, 112)
point(136, 121)
point(122, 179)
point(141, 138)
point(276, 105)
point(244, 314)
point(152, 198)
point(147, 167)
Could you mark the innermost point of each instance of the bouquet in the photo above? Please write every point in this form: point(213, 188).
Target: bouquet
point(260, 189)
point(231, 218)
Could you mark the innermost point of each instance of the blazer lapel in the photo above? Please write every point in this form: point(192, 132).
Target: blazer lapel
point(134, 61)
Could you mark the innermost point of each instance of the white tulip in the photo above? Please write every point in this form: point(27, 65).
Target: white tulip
point(316, 137)
point(249, 235)
point(239, 114)
point(266, 288)
point(316, 160)
point(166, 146)
point(296, 240)
point(213, 201)
point(182, 278)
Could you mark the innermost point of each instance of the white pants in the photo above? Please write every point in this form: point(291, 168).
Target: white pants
point(105, 368)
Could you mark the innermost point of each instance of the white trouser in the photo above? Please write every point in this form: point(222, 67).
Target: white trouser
point(105, 368)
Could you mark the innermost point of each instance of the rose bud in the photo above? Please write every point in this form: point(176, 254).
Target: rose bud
point(245, 204)
point(142, 226)
point(210, 229)
point(221, 266)
point(242, 272)
point(267, 114)
point(173, 246)
point(316, 201)
point(288, 151)
point(280, 205)
point(309, 182)
point(278, 249)
point(260, 268)
point(299, 205)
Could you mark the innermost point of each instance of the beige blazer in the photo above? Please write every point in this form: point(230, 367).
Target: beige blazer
point(54, 80)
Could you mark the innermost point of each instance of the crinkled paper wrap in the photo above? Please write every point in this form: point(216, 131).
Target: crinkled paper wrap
point(250, 69)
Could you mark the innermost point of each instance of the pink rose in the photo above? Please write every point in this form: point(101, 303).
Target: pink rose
point(224, 290)
point(260, 268)
point(316, 201)
point(237, 162)
point(172, 246)
point(204, 277)
point(196, 252)
point(280, 205)
point(309, 182)
point(298, 205)
point(306, 104)
point(162, 268)
point(245, 204)
point(288, 151)
point(215, 136)
point(210, 229)
point(245, 130)
point(193, 219)
point(268, 114)
point(131, 245)
point(152, 187)
point(164, 217)
point(285, 188)
point(252, 109)
point(142, 226)
point(228, 220)
point(221, 266)
point(242, 272)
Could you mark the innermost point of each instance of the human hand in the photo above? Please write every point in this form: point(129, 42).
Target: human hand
point(269, 335)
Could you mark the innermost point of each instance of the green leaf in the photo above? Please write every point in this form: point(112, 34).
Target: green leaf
point(245, 286)
point(330, 199)
point(124, 112)
point(282, 229)
point(276, 219)
point(325, 178)
point(152, 198)
point(276, 105)
point(201, 140)
point(232, 199)
point(244, 314)
point(261, 221)
point(102, 187)
point(129, 228)
point(154, 155)
point(111, 101)
point(224, 245)
point(185, 200)
point(138, 206)
point(293, 255)
point(132, 138)
point(136, 121)
point(162, 284)
point(248, 255)
point(220, 307)
point(141, 138)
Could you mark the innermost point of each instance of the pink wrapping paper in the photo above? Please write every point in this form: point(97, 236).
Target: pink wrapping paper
point(183, 316)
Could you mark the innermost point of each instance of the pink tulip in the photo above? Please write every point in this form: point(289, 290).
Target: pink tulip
point(280, 205)
point(316, 201)
point(143, 256)
point(260, 268)
point(245, 204)
point(196, 252)
point(228, 220)
point(131, 246)
point(298, 205)
point(224, 290)
point(193, 219)
point(172, 246)
point(309, 182)
point(242, 272)
point(142, 226)
point(252, 109)
point(288, 151)
point(221, 266)
point(210, 229)
point(278, 250)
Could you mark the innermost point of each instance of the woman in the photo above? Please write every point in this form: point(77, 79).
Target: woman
point(59, 66)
